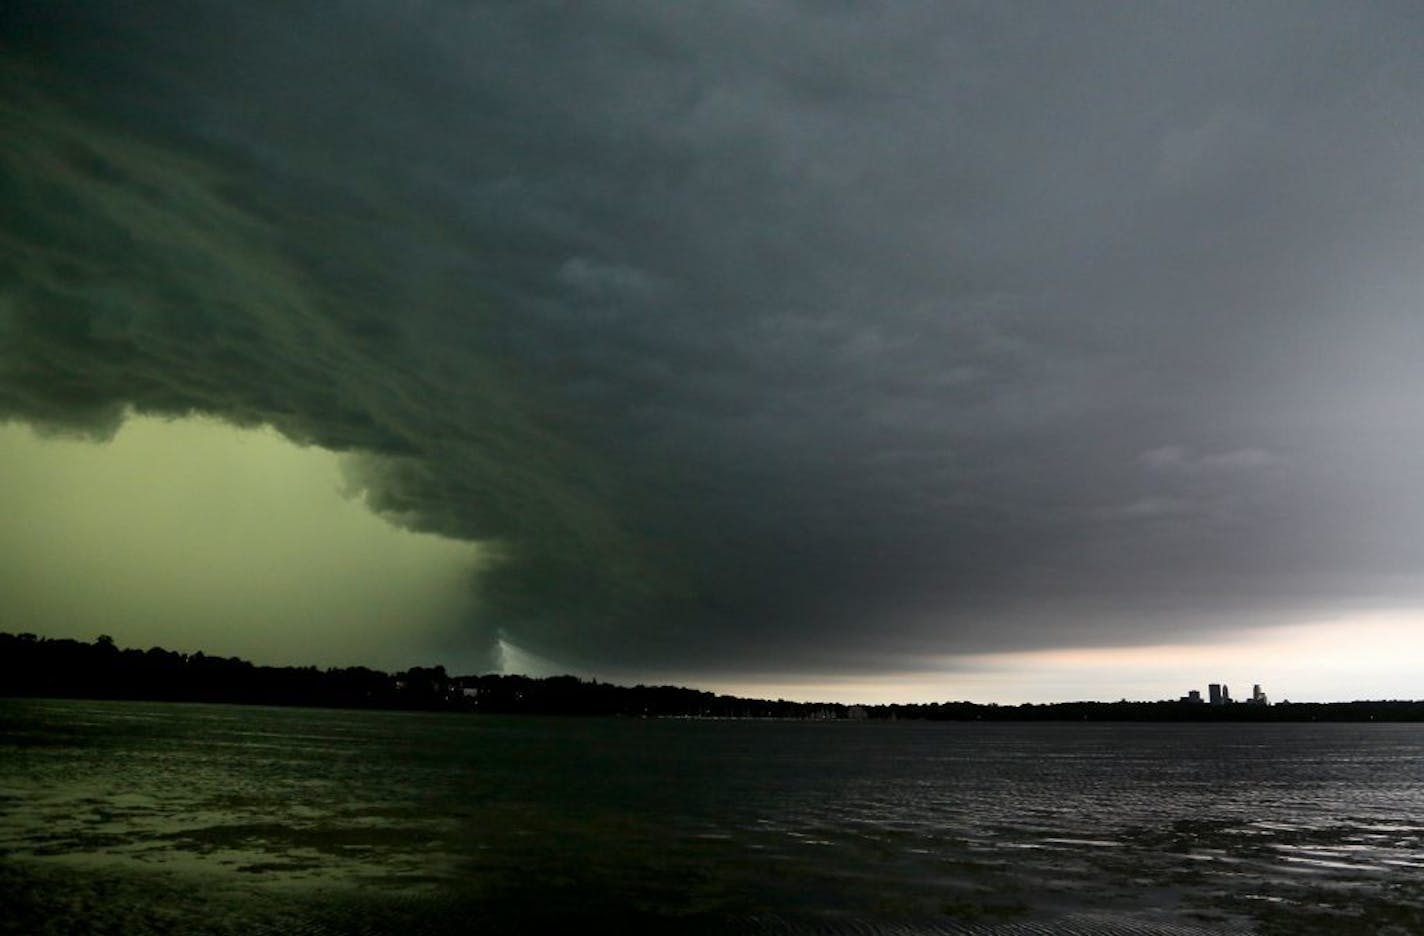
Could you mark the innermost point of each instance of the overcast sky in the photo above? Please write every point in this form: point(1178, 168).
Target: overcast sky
point(780, 343)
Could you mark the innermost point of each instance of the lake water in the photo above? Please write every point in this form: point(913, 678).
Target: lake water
point(138, 818)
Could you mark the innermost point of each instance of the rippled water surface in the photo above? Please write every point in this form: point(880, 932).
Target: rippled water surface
point(136, 818)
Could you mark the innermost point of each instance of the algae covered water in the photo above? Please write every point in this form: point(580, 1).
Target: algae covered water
point(124, 817)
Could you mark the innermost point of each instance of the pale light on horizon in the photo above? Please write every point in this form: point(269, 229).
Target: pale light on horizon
point(1366, 655)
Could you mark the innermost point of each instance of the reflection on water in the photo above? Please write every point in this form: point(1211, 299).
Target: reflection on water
point(152, 817)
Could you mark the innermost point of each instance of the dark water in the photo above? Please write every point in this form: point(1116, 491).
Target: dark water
point(136, 818)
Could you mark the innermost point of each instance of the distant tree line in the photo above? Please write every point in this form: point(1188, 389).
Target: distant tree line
point(48, 667)
point(62, 668)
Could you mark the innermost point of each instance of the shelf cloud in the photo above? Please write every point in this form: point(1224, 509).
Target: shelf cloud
point(768, 337)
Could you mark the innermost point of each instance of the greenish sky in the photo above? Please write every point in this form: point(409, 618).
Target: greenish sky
point(194, 535)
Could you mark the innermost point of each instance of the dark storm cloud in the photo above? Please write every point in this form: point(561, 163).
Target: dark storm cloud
point(772, 335)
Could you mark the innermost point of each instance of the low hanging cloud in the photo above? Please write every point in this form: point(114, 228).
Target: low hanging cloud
point(759, 336)
point(1170, 458)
